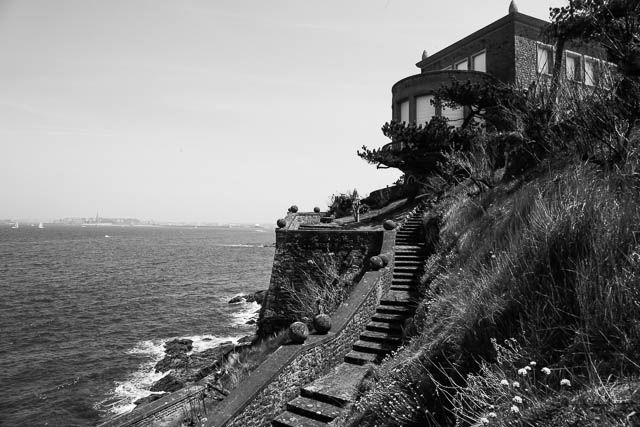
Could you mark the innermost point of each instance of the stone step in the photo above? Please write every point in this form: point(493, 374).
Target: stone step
point(387, 337)
point(374, 347)
point(402, 298)
point(338, 387)
point(394, 309)
point(407, 258)
point(406, 268)
point(315, 409)
point(408, 262)
point(389, 317)
point(290, 419)
point(403, 274)
point(384, 327)
point(403, 281)
point(407, 250)
point(360, 358)
point(405, 288)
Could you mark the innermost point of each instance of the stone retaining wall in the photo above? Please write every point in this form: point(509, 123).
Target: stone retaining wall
point(264, 394)
point(306, 258)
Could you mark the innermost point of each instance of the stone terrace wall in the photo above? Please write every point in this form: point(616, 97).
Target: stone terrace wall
point(264, 394)
point(300, 259)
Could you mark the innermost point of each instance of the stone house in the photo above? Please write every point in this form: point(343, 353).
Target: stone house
point(512, 49)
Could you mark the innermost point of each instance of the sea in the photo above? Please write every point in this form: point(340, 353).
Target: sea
point(85, 311)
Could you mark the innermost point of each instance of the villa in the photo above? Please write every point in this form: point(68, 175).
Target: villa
point(512, 49)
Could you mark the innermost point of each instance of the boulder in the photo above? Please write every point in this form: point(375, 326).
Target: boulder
point(256, 296)
point(185, 368)
point(151, 398)
point(389, 225)
point(168, 383)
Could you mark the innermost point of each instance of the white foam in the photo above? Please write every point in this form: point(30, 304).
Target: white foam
point(205, 342)
point(137, 385)
point(247, 312)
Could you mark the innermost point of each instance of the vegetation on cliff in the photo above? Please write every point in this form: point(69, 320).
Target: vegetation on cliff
point(530, 303)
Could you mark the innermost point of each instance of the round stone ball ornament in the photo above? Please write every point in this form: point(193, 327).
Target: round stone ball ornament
point(322, 323)
point(298, 332)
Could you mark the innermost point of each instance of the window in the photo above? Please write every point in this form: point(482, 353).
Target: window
point(425, 110)
point(545, 58)
point(462, 65)
point(404, 112)
point(590, 67)
point(479, 62)
point(572, 65)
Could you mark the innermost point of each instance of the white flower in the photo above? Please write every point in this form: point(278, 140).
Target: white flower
point(522, 372)
point(492, 415)
point(532, 363)
point(528, 368)
point(515, 409)
point(516, 384)
point(484, 420)
point(517, 399)
point(566, 382)
point(504, 382)
point(546, 371)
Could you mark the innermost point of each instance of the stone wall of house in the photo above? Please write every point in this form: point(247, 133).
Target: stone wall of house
point(498, 44)
point(306, 258)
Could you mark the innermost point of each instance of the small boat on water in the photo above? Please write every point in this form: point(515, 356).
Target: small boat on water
point(16, 225)
point(41, 225)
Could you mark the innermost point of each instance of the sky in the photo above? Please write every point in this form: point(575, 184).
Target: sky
point(203, 110)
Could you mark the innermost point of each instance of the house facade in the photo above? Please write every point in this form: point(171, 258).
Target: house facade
point(512, 49)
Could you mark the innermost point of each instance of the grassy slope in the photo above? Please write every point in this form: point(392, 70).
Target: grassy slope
point(550, 263)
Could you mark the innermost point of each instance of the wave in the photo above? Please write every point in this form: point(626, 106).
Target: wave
point(136, 385)
point(246, 313)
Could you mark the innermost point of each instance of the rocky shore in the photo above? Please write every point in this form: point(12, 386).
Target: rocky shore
point(187, 367)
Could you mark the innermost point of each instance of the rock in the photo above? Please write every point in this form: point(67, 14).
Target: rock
point(281, 223)
point(189, 368)
point(322, 323)
point(148, 399)
point(298, 332)
point(293, 209)
point(316, 209)
point(247, 340)
point(168, 383)
point(175, 354)
point(256, 296)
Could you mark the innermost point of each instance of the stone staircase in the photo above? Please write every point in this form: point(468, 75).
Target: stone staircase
point(329, 396)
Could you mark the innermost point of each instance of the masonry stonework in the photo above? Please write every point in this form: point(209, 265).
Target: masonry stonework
point(300, 260)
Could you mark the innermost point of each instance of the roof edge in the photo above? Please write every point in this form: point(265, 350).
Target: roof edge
point(505, 20)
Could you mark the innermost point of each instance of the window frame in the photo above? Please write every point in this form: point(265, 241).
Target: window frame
point(477, 54)
point(463, 61)
point(596, 66)
point(550, 57)
point(578, 72)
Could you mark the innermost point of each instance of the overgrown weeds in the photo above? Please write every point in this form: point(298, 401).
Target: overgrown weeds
point(553, 262)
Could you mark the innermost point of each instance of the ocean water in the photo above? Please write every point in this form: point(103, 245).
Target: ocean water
point(85, 311)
